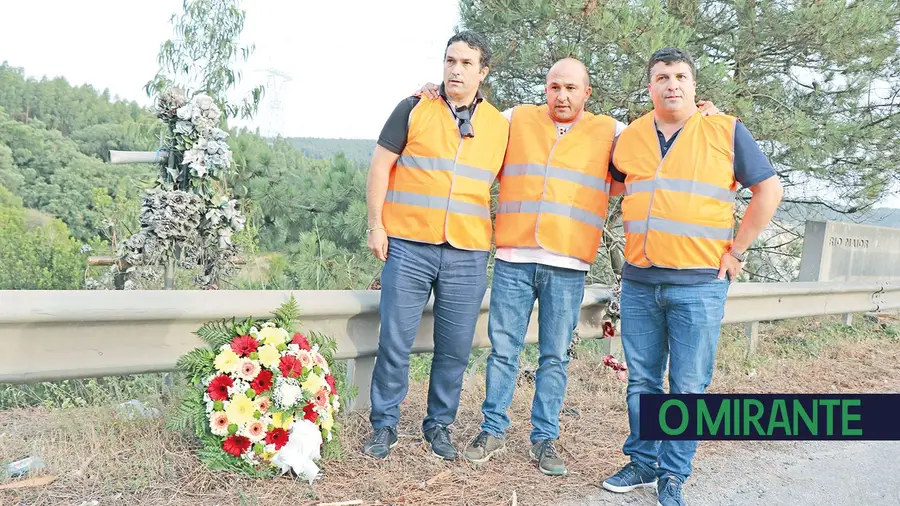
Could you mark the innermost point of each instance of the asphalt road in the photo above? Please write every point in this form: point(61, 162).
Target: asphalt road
point(819, 473)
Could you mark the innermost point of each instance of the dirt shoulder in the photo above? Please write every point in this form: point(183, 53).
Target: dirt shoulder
point(97, 455)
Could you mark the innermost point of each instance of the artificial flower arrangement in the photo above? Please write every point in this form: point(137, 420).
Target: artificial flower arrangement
point(262, 398)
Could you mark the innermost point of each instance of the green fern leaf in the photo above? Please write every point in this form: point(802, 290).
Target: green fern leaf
point(198, 364)
point(216, 333)
point(184, 417)
point(288, 314)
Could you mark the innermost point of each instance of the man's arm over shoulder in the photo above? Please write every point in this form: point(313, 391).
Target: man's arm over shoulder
point(618, 177)
point(396, 128)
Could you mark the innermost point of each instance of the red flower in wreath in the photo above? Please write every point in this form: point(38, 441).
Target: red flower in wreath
point(330, 380)
point(277, 437)
point(218, 387)
point(608, 329)
point(309, 412)
point(290, 367)
point(262, 381)
point(236, 445)
point(244, 345)
point(300, 340)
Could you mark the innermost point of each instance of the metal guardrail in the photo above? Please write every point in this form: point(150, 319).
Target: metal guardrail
point(53, 335)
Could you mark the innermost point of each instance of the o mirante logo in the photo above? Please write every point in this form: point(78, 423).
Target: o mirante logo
point(769, 416)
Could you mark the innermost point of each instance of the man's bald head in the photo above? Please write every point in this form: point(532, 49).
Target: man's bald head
point(568, 88)
point(569, 68)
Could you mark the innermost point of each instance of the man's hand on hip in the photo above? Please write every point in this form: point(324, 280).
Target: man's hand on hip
point(377, 242)
point(730, 265)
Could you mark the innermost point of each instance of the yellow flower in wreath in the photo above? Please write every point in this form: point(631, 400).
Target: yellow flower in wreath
point(226, 360)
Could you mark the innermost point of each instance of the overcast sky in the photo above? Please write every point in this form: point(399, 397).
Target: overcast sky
point(350, 61)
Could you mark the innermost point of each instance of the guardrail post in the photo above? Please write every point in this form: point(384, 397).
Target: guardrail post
point(359, 374)
point(847, 319)
point(751, 330)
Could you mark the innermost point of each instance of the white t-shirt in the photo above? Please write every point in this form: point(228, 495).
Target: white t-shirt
point(540, 255)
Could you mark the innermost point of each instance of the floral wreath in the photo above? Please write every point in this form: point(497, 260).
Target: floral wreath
point(262, 399)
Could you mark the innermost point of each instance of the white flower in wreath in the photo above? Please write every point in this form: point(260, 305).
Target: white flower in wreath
point(219, 134)
point(224, 238)
point(184, 127)
point(192, 156)
point(185, 112)
point(203, 125)
point(287, 392)
point(204, 102)
point(301, 451)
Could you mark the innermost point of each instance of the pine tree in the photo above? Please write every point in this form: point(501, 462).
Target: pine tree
point(815, 82)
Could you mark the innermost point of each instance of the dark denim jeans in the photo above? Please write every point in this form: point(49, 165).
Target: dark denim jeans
point(678, 324)
point(559, 293)
point(458, 279)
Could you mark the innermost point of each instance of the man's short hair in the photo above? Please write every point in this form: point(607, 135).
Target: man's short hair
point(475, 41)
point(670, 55)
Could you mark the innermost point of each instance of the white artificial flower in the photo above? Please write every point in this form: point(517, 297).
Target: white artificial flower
point(184, 127)
point(203, 101)
point(185, 112)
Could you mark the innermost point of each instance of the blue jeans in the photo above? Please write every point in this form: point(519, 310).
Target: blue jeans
point(559, 293)
point(459, 281)
point(675, 323)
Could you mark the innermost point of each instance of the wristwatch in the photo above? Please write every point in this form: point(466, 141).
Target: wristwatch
point(742, 257)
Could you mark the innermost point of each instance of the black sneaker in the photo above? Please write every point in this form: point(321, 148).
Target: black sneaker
point(441, 445)
point(380, 444)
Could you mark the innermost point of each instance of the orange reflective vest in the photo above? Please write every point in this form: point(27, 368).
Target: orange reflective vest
point(678, 211)
point(554, 190)
point(440, 188)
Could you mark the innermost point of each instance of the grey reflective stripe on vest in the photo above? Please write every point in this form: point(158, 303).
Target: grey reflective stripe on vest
point(677, 228)
point(433, 202)
point(426, 163)
point(681, 185)
point(533, 206)
point(533, 169)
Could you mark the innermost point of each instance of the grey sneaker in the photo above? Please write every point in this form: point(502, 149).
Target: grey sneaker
point(441, 445)
point(380, 444)
point(630, 477)
point(483, 447)
point(668, 492)
point(549, 462)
